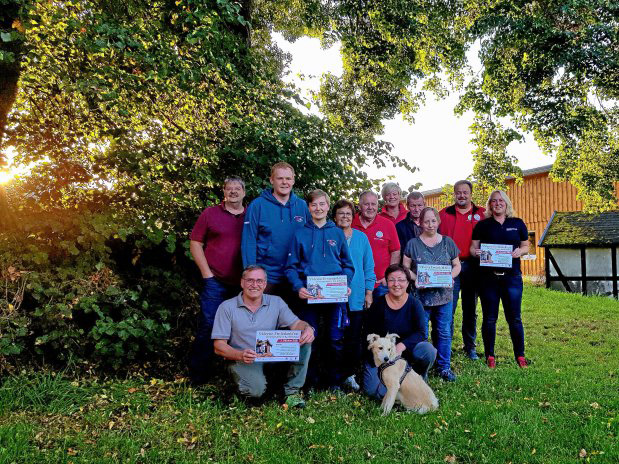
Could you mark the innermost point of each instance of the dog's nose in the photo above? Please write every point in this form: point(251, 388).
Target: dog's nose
point(386, 358)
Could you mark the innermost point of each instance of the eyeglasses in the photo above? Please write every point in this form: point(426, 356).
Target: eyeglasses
point(343, 214)
point(255, 281)
point(400, 281)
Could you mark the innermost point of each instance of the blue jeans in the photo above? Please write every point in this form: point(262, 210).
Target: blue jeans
point(466, 285)
point(421, 360)
point(329, 320)
point(441, 317)
point(381, 290)
point(507, 289)
point(213, 294)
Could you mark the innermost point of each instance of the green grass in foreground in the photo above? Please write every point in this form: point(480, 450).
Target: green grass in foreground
point(562, 409)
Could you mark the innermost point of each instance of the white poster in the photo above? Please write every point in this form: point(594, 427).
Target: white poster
point(493, 255)
point(277, 345)
point(327, 289)
point(434, 276)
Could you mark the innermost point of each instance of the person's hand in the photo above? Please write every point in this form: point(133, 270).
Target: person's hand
point(517, 253)
point(208, 275)
point(399, 348)
point(348, 291)
point(368, 299)
point(307, 336)
point(248, 356)
point(304, 294)
point(478, 252)
point(417, 285)
point(383, 281)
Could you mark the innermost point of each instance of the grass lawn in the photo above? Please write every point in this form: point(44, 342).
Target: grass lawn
point(563, 408)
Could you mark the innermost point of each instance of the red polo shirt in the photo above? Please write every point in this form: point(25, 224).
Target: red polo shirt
point(220, 231)
point(401, 215)
point(383, 240)
point(460, 226)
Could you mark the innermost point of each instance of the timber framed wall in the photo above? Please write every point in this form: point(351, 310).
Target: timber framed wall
point(534, 200)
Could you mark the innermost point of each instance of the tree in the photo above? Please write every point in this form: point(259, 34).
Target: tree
point(132, 114)
point(549, 68)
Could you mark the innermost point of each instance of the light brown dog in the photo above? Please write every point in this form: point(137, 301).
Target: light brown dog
point(403, 383)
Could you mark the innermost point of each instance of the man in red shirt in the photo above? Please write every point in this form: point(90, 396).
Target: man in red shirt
point(393, 209)
point(457, 222)
point(215, 244)
point(382, 236)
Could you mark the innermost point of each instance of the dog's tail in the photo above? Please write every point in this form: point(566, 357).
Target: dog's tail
point(427, 408)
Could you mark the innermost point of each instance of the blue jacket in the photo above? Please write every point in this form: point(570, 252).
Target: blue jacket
point(364, 277)
point(318, 251)
point(268, 230)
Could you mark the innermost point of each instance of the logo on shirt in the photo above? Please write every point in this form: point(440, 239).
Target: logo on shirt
point(379, 233)
point(476, 217)
point(298, 218)
point(509, 229)
point(332, 242)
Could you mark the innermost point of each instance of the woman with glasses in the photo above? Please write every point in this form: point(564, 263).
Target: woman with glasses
point(400, 313)
point(501, 283)
point(360, 288)
point(433, 248)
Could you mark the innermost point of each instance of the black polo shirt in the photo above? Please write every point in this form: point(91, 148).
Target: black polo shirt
point(511, 232)
point(407, 230)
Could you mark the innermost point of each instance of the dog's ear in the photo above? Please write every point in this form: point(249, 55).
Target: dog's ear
point(392, 337)
point(371, 339)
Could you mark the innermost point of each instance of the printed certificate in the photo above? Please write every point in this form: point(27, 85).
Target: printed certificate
point(327, 289)
point(434, 275)
point(493, 255)
point(277, 345)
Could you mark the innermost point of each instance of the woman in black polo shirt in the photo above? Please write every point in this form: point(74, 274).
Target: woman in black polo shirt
point(501, 279)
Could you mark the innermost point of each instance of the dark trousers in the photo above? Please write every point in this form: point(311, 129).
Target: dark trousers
point(326, 368)
point(353, 343)
point(214, 292)
point(465, 286)
point(508, 290)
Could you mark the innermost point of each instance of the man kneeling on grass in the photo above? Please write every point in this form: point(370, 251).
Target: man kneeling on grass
point(234, 335)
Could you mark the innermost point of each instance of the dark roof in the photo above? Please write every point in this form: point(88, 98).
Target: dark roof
point(569, 229)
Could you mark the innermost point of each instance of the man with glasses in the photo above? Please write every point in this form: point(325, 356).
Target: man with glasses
point(215, 244)
point(234, 335)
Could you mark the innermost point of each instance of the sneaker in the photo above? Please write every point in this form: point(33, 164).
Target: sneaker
point(521, 361)
point(295, 401)
point(471, 354)
point(490, 361)
point(447, 375)
point(351, 383)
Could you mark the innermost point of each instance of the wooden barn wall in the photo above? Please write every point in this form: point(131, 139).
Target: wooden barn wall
point(534, 201)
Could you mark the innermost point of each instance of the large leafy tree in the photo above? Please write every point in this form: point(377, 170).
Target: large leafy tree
point(131, 114)
point(548, 67)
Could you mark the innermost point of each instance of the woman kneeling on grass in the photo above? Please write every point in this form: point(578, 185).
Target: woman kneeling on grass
point(436, 249)
point(501, 283)
point(400, 313)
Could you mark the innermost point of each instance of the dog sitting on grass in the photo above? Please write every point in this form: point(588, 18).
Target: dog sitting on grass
point(403, 383)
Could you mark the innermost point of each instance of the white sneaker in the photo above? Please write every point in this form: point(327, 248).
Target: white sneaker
point(351, 383)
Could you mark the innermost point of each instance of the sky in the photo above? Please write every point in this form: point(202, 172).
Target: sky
point(437, 143)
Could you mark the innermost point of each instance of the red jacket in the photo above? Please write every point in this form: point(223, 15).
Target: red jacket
point(461, 237)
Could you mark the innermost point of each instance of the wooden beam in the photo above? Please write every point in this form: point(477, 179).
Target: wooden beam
point(613, 259)
point(583, 270)
point(559, 273)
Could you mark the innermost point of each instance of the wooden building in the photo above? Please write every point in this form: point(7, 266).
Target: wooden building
point(581, 252)
point(535, 200)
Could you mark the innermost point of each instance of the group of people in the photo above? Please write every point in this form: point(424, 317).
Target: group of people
point(255, 262)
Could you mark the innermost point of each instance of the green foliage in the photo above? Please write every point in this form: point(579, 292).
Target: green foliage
point(548, 68)
point(131, 115)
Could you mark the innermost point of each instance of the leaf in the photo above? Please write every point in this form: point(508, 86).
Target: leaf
point(6, 36)
point(582, 453)
point(311, 420)
point(450, 458)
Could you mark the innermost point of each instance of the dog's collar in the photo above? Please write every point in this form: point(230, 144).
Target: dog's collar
point(390, 363)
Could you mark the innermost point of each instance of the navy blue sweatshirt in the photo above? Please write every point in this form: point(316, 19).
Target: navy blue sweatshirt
point(318, 251)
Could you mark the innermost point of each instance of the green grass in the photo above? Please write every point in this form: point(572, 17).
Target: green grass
point(567, 401)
